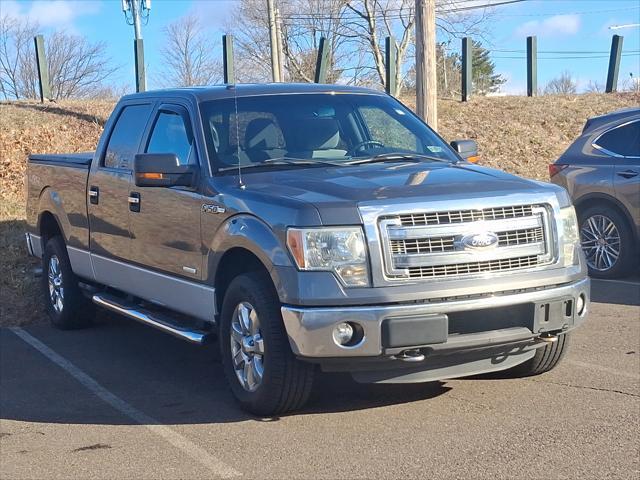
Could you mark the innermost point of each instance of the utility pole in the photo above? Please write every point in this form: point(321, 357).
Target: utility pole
point(426, 86)
point(273, 41)
point(134, 11)
point(280, 46)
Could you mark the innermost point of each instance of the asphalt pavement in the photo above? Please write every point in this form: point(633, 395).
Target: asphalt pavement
point(121, 400)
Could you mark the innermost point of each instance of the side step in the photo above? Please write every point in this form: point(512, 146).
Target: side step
point(153, 319)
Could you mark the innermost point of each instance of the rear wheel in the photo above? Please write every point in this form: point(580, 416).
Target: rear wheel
point(606, 241)
point(262, 372)
point(66, 305)
point(545, 359)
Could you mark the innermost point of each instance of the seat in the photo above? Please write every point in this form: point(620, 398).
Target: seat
point(318, 138)
point(262, 140)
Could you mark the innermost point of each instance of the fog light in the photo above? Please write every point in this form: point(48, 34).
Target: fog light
point(580, 304)
point(343, 333)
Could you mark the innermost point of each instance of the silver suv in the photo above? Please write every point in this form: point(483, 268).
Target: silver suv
point(601, 171)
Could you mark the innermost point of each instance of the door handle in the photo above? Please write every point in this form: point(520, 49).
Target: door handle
point(628, 174)
point(134, 201)
point(94, 194)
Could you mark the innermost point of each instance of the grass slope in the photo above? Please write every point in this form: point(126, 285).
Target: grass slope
point(517, 134)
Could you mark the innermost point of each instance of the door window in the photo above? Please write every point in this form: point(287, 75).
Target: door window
point(125, 136)
point(170, 136)
point(624, 140)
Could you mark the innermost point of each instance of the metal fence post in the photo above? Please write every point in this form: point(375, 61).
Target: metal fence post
point(322, 61)
point(43, 68)
point(227, 59)
point(390, 54)
point(614, 63)
point(467, 51)
point(532, 66)
point(141, 80)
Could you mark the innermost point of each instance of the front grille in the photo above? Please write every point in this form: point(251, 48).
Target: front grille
point(441, 244)
point(448, 243)
point(520, 237)
point(473, 267)
point(463, 216)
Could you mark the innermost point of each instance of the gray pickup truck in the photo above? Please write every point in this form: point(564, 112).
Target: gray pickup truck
point(307, 227)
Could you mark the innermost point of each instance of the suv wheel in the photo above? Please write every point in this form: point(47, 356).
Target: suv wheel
point(606, 242)
point(66, 305)
point(264, 375)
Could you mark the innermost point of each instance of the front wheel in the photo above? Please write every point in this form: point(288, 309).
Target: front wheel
point(262, 372)
point(546, 358)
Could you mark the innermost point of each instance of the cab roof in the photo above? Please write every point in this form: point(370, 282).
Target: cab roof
point(213, 92)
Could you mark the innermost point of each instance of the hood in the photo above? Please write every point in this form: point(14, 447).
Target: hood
point(337, 191)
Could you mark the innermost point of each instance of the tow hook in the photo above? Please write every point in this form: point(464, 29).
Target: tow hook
point(410, 356)
point(549, 338)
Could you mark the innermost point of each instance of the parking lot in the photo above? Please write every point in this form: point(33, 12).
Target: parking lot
point(124, 401)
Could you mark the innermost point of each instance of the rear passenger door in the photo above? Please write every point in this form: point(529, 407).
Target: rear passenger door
point(108, 186)
point(166, 230)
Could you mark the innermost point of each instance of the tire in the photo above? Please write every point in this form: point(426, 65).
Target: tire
point(546, 358)
point(285, 383)
point(618, 240)
point(67, 307)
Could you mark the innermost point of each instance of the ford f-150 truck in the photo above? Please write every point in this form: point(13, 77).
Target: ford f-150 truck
point(307, 227)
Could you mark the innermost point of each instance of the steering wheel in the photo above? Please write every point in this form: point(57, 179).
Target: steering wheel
point(357, 147)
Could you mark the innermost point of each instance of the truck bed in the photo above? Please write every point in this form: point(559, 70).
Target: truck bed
point(75, 160)
point(57, 184)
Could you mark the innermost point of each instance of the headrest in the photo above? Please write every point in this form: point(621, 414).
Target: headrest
point(261, 134)
point(317, 133)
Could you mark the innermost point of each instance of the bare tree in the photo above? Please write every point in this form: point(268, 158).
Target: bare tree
point(564, 84)
point(16, 45)
point(594, 87)
point(187, 55)
point(77, 67)
point(303, 23)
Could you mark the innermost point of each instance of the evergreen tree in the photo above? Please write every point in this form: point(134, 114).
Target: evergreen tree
point(484, 78)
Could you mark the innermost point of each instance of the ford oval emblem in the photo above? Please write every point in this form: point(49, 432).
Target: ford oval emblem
point(480, 240)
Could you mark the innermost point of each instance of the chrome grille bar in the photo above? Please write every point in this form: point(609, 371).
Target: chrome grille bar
point(465, 216)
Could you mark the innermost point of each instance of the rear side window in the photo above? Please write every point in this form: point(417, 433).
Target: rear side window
point(623, 140)
point(126, 135)
point(170, 136)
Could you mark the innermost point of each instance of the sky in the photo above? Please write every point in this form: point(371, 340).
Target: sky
point(580, 27)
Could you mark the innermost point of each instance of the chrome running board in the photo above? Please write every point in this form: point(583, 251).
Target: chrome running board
point(152, 319)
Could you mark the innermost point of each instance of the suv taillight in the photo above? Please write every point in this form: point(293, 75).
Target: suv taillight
point(555, 168)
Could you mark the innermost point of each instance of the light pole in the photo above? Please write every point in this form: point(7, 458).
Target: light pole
point(134, 11)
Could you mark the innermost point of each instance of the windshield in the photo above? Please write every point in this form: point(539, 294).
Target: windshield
point(274, 131)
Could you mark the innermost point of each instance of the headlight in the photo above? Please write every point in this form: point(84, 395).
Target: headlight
point(341, 250)
point(569, 236)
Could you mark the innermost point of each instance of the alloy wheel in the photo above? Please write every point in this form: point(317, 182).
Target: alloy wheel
point(600, 240)
point(56, 286)
point(247, 346)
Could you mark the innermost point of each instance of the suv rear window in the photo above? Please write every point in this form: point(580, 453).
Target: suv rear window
point(624, 140)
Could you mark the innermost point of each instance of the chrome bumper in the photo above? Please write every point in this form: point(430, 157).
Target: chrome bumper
point(310, 329)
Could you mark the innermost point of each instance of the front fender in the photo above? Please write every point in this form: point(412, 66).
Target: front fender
point(252, 234)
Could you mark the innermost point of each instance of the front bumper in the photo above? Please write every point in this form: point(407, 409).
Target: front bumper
point(551, 309)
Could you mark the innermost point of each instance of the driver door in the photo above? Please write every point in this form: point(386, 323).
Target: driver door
point(165, 221)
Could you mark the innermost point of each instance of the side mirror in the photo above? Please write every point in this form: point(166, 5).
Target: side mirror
point(467, 149)
point(162, 170)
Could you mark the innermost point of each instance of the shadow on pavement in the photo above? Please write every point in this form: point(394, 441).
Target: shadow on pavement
point(623, 292)
point(165, 378)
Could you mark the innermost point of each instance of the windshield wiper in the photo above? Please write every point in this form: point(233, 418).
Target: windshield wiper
point(392, 156)
point(288, 161)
